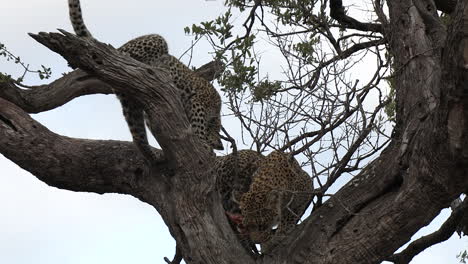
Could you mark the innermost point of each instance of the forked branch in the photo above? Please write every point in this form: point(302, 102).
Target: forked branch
point(73, 164)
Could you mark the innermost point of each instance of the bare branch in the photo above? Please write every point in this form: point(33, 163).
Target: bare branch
point(177, 258)
point(77, 83)
point(46, 97)
point(337, 12)
point(445, 232)
point(74, 164)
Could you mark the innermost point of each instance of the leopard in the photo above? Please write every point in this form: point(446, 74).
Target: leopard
point(202, 103)
point(234, 176)
point(259, 193)
point(277, 197)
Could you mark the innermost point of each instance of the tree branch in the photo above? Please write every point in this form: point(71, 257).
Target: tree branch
point(188, 203)
point(177, 257)
point(49, 96)
point(445, 232)
point(338, 13)
point(77, 83)
point(100, 166)
point(426, 160)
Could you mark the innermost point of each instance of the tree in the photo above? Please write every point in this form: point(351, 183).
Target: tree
point(421, 169)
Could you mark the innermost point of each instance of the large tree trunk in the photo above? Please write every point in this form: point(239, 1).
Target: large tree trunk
point(422, 170)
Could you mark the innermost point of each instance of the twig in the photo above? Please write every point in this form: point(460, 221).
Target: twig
point(177, 258)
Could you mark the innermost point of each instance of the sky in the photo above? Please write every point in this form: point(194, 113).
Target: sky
point(42, 224)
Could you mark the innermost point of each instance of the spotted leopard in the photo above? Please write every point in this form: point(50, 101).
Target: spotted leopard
point(234, 176)
point(277, 197)
point(201, 100)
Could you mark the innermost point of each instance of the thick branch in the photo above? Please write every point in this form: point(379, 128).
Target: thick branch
point(100, 166)
point(189, 205)
point(338, 13)
point(49, 96)
point(445, 232)
point(419, 173)
point(77, 83)
point(177, 257)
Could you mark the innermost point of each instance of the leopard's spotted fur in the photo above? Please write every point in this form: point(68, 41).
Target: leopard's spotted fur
point(278, 196)
point(259, 193)
point(201, 100)
point(234, 176)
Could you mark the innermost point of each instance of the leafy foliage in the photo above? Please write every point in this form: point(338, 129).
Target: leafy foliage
point(241, 71)
point(43, 73)
point(220, 28)
point(265, 89)
point(5, 77)
point(463, 256)
point(306, 49)
point(236, 77)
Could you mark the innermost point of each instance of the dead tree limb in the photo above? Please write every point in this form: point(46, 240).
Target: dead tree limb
point(447, 229)
point(337, 12)
point(77, 83)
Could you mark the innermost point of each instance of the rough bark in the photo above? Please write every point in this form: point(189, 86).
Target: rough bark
point(445, 232)
point(77, 83)
point(193, 214)
point(422, 170)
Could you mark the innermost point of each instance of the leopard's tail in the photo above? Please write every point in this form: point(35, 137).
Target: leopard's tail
point(76, 19)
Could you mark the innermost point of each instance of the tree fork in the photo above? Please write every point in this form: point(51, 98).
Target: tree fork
point(191, 187)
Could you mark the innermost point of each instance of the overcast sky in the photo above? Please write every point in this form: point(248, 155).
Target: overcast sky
point(44, 225)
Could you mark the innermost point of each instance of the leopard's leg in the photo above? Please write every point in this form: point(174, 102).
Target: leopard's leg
point(213, 117)
point(198, 119)
point(213, 129)
point(287, 223)
point(134, 115)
